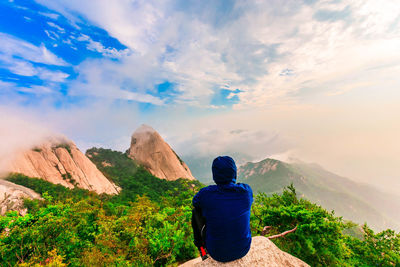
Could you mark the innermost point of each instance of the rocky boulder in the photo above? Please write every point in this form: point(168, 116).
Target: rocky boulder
point(262, 253)
point(12, 197)
point(150, 150)
point(59, 161)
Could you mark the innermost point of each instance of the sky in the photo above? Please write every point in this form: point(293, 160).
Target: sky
point(312, 80)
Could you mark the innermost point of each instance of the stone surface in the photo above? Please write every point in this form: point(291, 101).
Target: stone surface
point(12, 197)
point(150, 150)
point(59, 161)
point(262, 253)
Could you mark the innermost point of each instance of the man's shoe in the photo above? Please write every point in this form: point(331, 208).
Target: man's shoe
point(203, 253)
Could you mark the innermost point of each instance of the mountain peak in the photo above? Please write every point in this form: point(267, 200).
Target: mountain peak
point(144, 128)
point(150, 150)
point(59, 161)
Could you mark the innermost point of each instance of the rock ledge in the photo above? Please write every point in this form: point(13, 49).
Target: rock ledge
point(262, 253)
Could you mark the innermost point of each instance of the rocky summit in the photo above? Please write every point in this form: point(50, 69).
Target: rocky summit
point(59, 161)
point(150, 150)
point(12, 197)
point(262, 253)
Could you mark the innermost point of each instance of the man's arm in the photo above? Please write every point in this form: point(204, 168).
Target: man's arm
point(251, 195)
point(249, 192)
point(197, 200)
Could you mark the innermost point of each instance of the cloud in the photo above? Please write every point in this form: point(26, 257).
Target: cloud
point(52, 76)
point(255, 144)
point(202, 48)
point(98, 47)
point(52, 35)
point(22, 58)
point(18, 67)
point(107, 52)
point(13, 47)
point(21, 132)
point(35, 89)
point(108, 80)
point(50, 15)
point(52, 24)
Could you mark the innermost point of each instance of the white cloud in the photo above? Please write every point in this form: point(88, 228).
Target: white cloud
point(25, 68)
point(107, 52)
point(83, 37)
point(52, 76)
point(52, 35)
point(20, 133)
point(206, 142)
point(20, 67)
point(50, 15)
point(35, 89)
point(103, 80)
point(52, 24)
point(16, 56)
point(13, 47)
point(248, 51)
point(98, 47)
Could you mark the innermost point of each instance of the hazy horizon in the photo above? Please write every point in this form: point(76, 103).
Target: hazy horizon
point(314, 80)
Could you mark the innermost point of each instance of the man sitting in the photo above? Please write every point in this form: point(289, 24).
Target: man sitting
point(221, 215)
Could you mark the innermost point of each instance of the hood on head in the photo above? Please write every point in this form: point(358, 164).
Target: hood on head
point(224, 170)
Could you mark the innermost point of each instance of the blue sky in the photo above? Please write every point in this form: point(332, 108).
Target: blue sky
point(212, 54)
point(314, 79)
point(44, 50)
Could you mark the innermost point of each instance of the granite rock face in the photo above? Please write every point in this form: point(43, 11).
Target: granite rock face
point(59, 161)
point(262, 253)
point(150, 150)
point(12, 197)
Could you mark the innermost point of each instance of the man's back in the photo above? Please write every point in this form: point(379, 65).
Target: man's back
point(226, 209)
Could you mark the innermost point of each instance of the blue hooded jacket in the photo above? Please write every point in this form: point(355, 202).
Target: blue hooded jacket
point(226, 208)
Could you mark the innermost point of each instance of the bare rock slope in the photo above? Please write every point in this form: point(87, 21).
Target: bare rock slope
point(59, 161)
point(12, 197)
point(262, 253)
point(151, 151)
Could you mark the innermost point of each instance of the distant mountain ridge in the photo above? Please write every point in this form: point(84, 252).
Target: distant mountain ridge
point(357, 202)
point(200, 165)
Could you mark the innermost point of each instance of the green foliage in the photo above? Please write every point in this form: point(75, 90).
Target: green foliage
point(150, 226)
point(85, 235)
point(148, 223)
point(319, 239)
point(381, 249)
point(66, 176)
point(37, 149)
point(40, 186)
point(133, 179)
